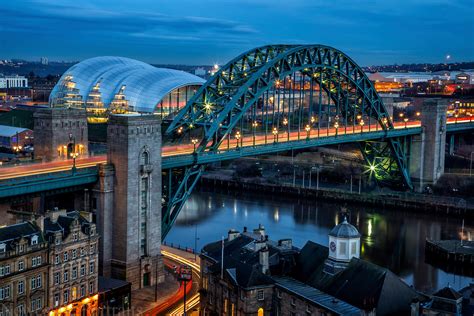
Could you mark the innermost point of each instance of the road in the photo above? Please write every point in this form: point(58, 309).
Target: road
point(186, 149)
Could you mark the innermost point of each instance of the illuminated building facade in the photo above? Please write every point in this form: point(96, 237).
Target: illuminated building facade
point(104, 85)
point(23, 270)
point(73, 257)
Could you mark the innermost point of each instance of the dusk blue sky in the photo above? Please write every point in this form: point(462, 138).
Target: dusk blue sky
point(208, 31)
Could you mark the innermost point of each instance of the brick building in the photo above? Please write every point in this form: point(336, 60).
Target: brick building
point(23, 270)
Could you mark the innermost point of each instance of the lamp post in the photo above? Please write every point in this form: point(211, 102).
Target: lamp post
point(285, 123)
point(275, 135)
point(194, 141)
point(405, 120)
point(74, 156)
point(308, 130)
point(456, 115)
point(336, 126)
point(361, 123)
point(254, 125)
point(237, 137)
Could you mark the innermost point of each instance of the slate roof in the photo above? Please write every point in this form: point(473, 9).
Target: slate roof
point(63, 223)
point(316, 296)
point(13, 233)
point(344, 230)
point(10, 131)
point(448, 293)
point(247, 276)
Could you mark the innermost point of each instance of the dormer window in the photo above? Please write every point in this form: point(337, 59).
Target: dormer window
point(75, 237)
point(34, 240)
point(3, 248)
point(57, 240)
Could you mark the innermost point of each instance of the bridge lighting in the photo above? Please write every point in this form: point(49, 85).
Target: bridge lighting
point(191, 125)
point(372, 168)
point(359, 116)
point(313, 119)
point(361, 123)
point(277, 83)
point(418, 114)
point(208, 106)
point(237, 137)
point(180, 130)
point(216, 67)
point(405, 120)
point(275, 134)
point(194, 141)
point(74, 156)
point(384, 121)
point(254, 124)
point(401, 115)
point(456, 115)
point(308, 130)
point(285, 121)
point(17, 148)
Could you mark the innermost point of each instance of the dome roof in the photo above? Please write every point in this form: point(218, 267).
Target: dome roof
point(145, 85)
point(344, 230)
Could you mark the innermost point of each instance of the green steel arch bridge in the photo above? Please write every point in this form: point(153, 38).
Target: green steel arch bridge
point(269, 99)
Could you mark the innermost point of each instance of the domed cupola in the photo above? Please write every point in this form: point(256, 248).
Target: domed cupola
point(344, 244)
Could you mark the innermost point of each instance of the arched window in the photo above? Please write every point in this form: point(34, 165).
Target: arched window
point(144, 158)
point(260, 311)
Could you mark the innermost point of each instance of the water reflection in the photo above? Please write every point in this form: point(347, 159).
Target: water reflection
point(391, 239)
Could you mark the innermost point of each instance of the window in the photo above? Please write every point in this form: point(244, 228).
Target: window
point(91, 267)
point(2, 271)
point(3, 248)
point(21, 310)
point(353, 248)
point(57, 278)
point(83, 269)
point(33, 283)
point(74, 253)
point(56, 259)
point(21, 287)
point(65, 256)
point(91, 287)
point(36, 261)
point(308, 309)
point(260, 295)
point(92, 232)
point(57, 240)
point(75, 237)
point(260, 312)
point(66, 296)
point(83, 253)
point(7, 269)
point(74, 273)
point(22, 247)
point(83, 290)
point(21, 265)
point(342, 248)
point(66, 276)
point(56, 299)
point(34, 240)
point(279, 293)
point(293, 301)
point(39, 281)
point(92, 249)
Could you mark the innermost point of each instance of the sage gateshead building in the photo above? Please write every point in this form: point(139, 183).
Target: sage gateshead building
point(104, 85)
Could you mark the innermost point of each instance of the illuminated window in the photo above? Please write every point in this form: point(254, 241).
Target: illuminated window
point(260, 311)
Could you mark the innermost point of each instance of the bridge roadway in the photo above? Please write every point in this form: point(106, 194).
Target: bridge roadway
point(38, 177)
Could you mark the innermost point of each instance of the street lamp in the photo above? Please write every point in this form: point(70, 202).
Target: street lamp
point(308, 130)
point(275, 134)
point(237, 137)
point(456, 117)
point(285, 123)
point(418, 114)
point(361, 123)
point(254, 125)
point(336, 126)
point(74, 156)
point(405, 120)
point(312, 120)
point(194, 141)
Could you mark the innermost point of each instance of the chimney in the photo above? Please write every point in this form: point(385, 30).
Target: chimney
point(245, 229)
point(285, 243)
point(263, 260)
point(39, 220)
point(55, 213)
point(259, 244)
point(260, 230)
point(232, 234)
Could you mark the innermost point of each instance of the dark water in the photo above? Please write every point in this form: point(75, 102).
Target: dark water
point(393, 239)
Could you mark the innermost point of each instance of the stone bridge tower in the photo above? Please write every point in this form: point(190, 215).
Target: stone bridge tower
point(131, 224)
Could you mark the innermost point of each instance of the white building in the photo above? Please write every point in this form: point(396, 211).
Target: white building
point(44, 60)
point(13, 81)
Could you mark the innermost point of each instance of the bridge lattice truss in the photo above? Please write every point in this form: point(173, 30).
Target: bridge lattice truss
point(281, 93)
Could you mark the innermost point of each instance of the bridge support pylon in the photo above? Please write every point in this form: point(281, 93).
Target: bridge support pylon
point(128, 200)
point(427, 152)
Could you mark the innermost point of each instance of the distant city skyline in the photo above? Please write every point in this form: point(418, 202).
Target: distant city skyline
point(211, 31)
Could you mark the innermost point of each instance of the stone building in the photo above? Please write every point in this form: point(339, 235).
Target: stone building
point(73, 258)
point(23, 270)
point(60, 132)
point(259, 276)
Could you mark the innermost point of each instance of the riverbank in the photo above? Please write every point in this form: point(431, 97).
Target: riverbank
point(413, 201)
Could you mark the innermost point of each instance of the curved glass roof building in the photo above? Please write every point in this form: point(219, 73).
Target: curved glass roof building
point(121, 84)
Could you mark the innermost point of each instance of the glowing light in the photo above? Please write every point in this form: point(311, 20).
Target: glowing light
point(216, 66)
point(285, 121)
point(86, 300)
point(369, 228)
point(95, 297)
point(207, 107)
point(372, 168)
point(61, 310)
point(69, 307)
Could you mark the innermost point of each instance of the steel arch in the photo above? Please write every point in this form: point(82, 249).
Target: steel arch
point(222, 101)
